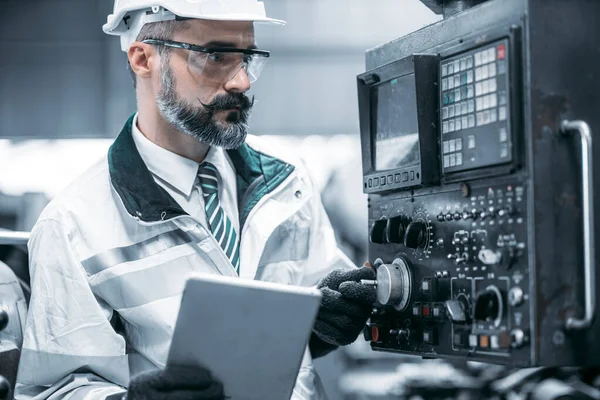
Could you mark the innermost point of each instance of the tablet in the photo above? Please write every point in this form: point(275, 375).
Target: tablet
point(251, 335)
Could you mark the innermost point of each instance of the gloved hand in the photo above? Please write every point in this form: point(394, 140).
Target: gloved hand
point(176, 383)
point(346, 305)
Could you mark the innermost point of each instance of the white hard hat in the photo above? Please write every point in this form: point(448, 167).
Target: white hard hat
point(129, 16)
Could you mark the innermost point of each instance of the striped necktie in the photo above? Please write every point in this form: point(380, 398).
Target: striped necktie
point(220, 225)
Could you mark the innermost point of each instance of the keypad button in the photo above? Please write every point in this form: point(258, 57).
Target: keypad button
point(456, 81)
point(502, 98)
point(471, 119)
point(480, 118)
point(397, 178)
point(470, 91)
point(444, 84)
point(470, 62)
point(446, 99)
point(493, 100)
point(463, 92)
point(451, 97)
point(501, 67)
point(504, 150)
point(450, 68)
point(446, 146)
point(456, 66)
point(446, 161)
point(493, 85)
point(486, 117)
point(470, 76)
point(485, 87)
point(486, 102)
point(484, 72)
point(493, 115)
point(450, 83)
point(451, 111)
point(465, 122)
point(478, 73)
point(459, 159)
point(452, 146)
point(452, 160)
point(463, 78)
point(479, 103)
point(445, 127)
point(484, 57)
point(458, 125)
point(492, 54)
point(502, 113)
point(375, 182)
point(471, 141)
point(457, 110)
point(463, 64)
point(477, 59)
point(492, 69)
point(451, 126)
point(445, 113)
point(457, 95)
point(459, 144)
point(470, 106)
point(444, 69)
point(503, 135)
point(478, 89)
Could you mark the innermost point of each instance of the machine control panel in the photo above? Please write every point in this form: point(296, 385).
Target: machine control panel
point(452, 273)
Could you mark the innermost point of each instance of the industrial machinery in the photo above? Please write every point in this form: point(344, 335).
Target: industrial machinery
point(478, 164)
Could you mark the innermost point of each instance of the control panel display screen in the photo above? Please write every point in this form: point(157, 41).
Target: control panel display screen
point(397, 133)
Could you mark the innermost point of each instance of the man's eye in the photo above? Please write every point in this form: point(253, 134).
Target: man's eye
point(216, 57)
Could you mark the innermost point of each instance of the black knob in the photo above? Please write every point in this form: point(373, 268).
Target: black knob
point(416, 235)
point(489, 305)
point(395, 229)
point(441, 217)
point(4, 388)
point(3, 320)
point(378, 232)
point(467, 215)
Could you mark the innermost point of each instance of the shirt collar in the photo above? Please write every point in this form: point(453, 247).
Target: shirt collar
point(175, 170)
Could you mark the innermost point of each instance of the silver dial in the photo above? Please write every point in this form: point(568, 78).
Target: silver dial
point(394, 284)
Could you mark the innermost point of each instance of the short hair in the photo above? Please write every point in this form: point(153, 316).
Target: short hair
point(163, 30)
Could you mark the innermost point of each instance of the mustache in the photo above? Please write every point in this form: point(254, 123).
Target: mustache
point(229, 101)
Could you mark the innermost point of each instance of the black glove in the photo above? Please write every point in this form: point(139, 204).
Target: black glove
point(176, 383)
point(346, 305)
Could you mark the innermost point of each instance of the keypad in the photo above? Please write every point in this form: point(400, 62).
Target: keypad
point(474, 94)
point(469, 85)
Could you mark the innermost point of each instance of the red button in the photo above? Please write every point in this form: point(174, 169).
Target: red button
point(375, 333)
point(426, 311)
point(501, 52)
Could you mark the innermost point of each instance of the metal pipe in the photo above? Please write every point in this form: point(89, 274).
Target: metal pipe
point(13, 238)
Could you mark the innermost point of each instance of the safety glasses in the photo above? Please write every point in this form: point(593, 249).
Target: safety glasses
point(219, 64)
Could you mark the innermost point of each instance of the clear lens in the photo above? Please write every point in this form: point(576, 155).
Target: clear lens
point(222, 67)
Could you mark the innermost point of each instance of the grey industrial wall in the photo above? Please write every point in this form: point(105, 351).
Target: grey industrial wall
point(61, 76)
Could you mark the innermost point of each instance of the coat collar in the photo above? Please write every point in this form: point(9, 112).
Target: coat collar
point(257, 174)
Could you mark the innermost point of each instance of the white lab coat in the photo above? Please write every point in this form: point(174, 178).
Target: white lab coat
point(99, 253)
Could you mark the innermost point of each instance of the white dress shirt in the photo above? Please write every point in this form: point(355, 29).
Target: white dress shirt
point(178, 176)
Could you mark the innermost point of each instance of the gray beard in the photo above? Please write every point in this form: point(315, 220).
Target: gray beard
point(198, 122)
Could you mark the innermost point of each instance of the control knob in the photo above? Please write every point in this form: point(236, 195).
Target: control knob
point(489, 306)
point(458, 309)
point(378, 232)
point(394, 284)
point(395, 229)
point(416, 235)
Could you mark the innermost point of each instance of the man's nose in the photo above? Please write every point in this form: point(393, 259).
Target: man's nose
point(240, 83)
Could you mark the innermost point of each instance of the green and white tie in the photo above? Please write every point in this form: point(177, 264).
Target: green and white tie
point(220, 225)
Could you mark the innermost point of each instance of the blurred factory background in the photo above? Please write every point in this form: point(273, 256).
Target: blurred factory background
point(65, 94)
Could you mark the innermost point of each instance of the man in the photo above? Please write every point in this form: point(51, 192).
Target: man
point(183, 189)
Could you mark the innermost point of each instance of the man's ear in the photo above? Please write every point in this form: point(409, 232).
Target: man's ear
point(142, 59)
